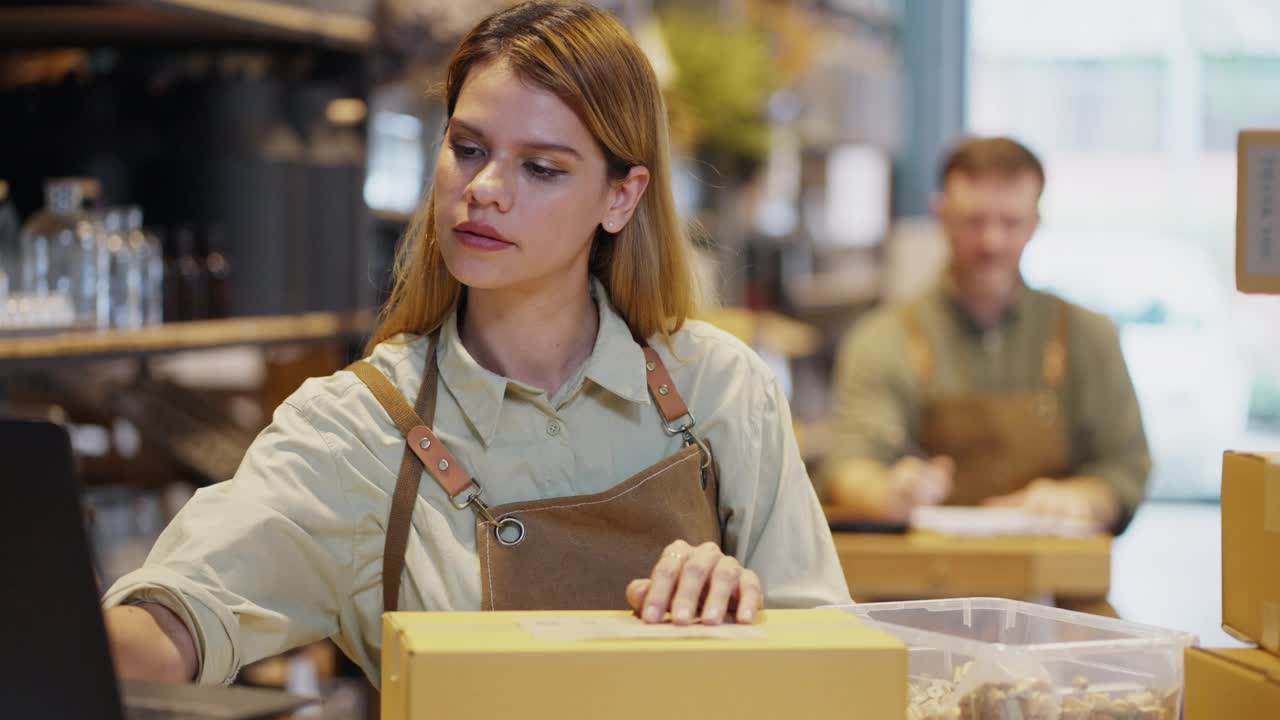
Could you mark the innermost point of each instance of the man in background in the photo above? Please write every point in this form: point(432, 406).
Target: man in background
point(983, 390)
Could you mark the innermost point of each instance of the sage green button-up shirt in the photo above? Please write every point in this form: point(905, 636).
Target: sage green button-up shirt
point(879, 397)
point(289, 551)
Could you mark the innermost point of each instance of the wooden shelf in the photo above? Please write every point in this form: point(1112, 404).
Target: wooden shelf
point(179, 21)
point(174, 337)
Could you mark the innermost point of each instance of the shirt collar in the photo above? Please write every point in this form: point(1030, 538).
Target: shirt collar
point(478, 391)
point(947, 294)
point(616, 364)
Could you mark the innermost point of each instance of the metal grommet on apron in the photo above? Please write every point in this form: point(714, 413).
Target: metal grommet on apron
point(1000, 441)
point(574, 552)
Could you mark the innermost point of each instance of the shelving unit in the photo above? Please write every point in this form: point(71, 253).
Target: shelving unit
point(34, 351)
point(178, 21)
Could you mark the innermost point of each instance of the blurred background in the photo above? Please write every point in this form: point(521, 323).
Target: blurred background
point(201, 202)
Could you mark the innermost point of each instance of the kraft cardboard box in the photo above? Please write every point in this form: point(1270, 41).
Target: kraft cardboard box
point(1251, 548)
point(545, 665)
point(1226, 684)
point(1258, 211)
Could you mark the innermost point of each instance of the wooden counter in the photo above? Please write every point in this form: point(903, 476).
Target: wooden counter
point(920, 565)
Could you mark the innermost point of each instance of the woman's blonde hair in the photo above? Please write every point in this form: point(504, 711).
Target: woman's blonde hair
point(586, 58)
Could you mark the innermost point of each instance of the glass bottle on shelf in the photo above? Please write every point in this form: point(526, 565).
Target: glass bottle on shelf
point(94, 268)
point(10, 251)
point(62, 253)
point(150, 263)
point(189, 279)
point(155, 303)
point(219, 273)
point(126, 266)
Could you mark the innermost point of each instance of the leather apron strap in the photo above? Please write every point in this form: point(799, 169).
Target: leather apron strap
point(407, 419)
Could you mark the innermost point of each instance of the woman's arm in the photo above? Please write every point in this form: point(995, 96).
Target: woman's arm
point(149, 642)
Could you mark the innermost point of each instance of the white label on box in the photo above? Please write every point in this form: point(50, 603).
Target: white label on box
point(574, 628)
point(1262, 209)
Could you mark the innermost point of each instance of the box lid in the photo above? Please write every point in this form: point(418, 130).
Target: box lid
point(1267, 457)
point(621, 631)
point(1259, 665)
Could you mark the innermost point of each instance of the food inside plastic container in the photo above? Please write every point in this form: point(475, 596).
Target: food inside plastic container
point(988, 659)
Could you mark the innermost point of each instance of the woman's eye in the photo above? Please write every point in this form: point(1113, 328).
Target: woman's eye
point(465, 151)
point(542, 171)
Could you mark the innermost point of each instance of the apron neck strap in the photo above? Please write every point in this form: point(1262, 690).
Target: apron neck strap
point(423, 451)
point(670, 404)
point(1053, 364)
point(405, 417)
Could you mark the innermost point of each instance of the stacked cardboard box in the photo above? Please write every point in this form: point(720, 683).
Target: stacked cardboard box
point(1245, 683)
point(552, 665)
point(1258, 212)
point(1239, 683)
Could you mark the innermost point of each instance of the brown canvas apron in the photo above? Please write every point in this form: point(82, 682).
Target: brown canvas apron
point(566, 553)
point(1000, 441)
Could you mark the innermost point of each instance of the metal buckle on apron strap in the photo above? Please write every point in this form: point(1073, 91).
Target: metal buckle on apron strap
point(475, 502)
point(686, 429)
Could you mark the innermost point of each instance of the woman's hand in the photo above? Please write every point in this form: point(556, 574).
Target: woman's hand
point(693, 582)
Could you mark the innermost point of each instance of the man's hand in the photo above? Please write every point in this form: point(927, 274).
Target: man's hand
point(914, 483)
point(1085, 500)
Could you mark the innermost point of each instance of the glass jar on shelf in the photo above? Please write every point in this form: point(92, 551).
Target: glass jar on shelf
point(64, 252)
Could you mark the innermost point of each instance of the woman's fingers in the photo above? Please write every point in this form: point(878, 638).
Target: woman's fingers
point(750, 597)
point(723, 590)
point(663, 581)
point(693, 582)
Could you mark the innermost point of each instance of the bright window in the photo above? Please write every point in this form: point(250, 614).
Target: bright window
point(1134, 105)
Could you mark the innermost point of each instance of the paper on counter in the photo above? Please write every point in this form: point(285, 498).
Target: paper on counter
point(627, 627)
point(994, 521)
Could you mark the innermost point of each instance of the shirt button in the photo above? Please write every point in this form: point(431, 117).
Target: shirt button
point(553, 428)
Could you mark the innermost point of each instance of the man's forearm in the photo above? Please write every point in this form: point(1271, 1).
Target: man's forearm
point(149, 642)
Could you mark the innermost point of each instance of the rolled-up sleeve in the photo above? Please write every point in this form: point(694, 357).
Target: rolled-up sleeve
point(787, 541)
point(261, 563)
point(1111, 442)
point(872, 413)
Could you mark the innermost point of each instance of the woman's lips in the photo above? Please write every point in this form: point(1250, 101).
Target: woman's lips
point(478, 236)
point(479, 242)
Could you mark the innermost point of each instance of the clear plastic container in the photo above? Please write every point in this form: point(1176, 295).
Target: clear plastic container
point(991, 659)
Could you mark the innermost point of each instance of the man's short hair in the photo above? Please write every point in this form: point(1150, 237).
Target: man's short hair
point(986, 157)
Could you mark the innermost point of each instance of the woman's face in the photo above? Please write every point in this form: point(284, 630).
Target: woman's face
point(520, 186)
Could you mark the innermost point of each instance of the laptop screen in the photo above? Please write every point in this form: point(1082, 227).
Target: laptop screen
point(55, 661)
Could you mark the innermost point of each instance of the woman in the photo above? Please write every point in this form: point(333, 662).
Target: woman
point(569, 465)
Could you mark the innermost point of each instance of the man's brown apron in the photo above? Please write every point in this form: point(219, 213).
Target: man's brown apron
point(1000, 441)
point(566, 553)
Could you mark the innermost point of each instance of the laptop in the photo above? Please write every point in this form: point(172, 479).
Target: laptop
point(55, 661)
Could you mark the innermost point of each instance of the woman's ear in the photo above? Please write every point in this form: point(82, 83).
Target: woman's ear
point(624, 196)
